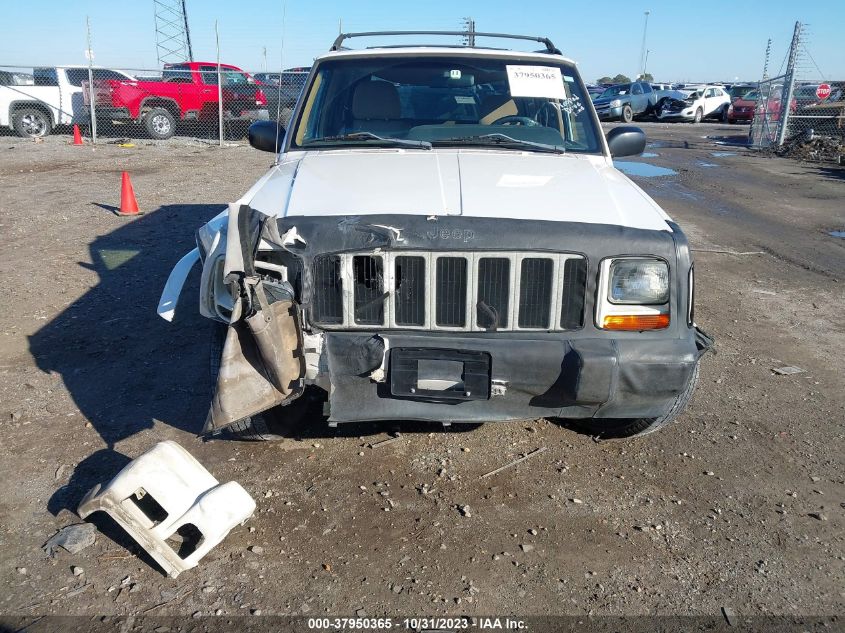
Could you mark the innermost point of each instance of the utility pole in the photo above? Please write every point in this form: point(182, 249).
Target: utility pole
point(264, 55)
point(766, 61)
point(642, 48)
point(645, 65)
point(90, 55)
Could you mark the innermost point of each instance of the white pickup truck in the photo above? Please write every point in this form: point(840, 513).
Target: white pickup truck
point(54, 99)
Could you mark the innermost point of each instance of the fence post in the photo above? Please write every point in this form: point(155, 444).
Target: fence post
point(219, 87)
point(788, 85)
point(90, 55)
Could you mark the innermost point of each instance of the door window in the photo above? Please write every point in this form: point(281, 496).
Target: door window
point(637, 89)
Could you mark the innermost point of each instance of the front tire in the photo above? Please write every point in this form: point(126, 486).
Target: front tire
point(32, 123)
point(699, 114)
point(636, 427)
point(627, 114)
point(159, 123)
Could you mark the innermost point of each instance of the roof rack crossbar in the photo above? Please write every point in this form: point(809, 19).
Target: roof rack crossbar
point(550, 47)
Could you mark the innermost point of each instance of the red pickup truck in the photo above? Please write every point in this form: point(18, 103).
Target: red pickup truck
point(185, 92)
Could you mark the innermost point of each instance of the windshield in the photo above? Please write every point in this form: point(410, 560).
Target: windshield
point(446, 101)
point(614, 91)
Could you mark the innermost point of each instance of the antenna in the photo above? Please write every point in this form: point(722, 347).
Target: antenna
point(173, 38)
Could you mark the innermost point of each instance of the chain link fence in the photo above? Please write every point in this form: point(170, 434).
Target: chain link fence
point(201, 101)
point(800, 107)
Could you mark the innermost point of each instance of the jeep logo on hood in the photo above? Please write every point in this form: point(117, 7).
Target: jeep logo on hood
point(461, 235)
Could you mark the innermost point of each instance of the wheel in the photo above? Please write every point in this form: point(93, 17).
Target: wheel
point(160, 123)
point(725, 114)
point(275, 424)
point(32, 122)
point(699, 114)
point(627, 114)
point(610, 428)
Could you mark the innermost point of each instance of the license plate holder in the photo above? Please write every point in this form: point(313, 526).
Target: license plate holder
point(442, 375)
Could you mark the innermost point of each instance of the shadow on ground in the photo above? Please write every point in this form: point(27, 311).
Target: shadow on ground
point(122, 364)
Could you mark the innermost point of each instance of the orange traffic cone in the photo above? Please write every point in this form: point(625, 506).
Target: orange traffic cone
point(128, 204)
point(77, 136)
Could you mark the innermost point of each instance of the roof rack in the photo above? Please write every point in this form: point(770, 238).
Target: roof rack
point(550, 47)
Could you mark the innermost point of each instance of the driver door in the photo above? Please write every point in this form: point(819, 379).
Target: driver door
point(637, 98)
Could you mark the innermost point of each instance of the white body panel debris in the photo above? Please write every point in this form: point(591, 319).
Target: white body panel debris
point(166, 497)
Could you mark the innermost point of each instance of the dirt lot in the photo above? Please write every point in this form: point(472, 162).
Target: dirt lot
point(739, 505)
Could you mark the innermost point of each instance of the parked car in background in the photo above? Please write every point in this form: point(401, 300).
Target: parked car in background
point(708, 102)
point(737, 91)
point(623, 102)
point(54, 98)
point(594, 90)
point(661, 87)
point(742, 108)
point(283, 89)
point(186, 92)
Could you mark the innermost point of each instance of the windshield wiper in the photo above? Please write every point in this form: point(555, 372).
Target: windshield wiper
point(369, 136)
point(497, 138)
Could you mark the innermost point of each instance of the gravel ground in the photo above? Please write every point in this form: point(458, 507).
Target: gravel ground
point(740, 505)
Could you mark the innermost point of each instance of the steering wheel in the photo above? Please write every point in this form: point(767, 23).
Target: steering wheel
point(513, 119)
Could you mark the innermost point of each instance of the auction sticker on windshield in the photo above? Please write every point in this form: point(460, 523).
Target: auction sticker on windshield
point(535, 81)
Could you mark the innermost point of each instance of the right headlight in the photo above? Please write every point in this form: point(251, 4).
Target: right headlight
point(639, 282)
point(615, 103)
point(633, 294)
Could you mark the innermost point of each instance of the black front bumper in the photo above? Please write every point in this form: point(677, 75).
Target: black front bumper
point(584, 372)
point(548, 376)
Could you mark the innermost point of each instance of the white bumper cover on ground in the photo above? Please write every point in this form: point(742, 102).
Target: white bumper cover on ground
point(166, 494)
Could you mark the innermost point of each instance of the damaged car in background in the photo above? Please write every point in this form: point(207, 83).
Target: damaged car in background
point(443, 237)
point(708, 102)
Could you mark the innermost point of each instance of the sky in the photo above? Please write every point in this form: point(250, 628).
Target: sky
point(687, 41)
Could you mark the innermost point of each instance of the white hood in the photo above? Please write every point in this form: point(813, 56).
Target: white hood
point(480, 183)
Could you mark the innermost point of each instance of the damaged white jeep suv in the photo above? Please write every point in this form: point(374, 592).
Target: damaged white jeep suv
point(444, 237)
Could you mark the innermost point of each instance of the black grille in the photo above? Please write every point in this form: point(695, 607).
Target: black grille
point(494, 276)
point(328, 289)
point(409, 295)
point(369, 294)
point(574, 286)
point(535, 292)
point(451, 291)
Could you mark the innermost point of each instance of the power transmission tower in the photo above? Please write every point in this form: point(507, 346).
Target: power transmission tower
point(173, 39)
point(469, 27)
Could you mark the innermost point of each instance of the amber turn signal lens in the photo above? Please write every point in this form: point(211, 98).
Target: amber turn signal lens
point(635, 322)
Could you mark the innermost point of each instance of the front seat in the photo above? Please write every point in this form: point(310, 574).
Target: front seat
point(376, 108)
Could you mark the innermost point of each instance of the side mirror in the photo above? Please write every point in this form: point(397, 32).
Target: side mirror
point(268, 136)
point(622, 141)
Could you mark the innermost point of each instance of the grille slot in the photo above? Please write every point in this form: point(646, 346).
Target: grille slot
point(369, 295)
point(535, 292)
point(454, 290)
point(409, 290)
point(494, 279)
point(328, 295)
point(451, 292)
point(572, 299)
